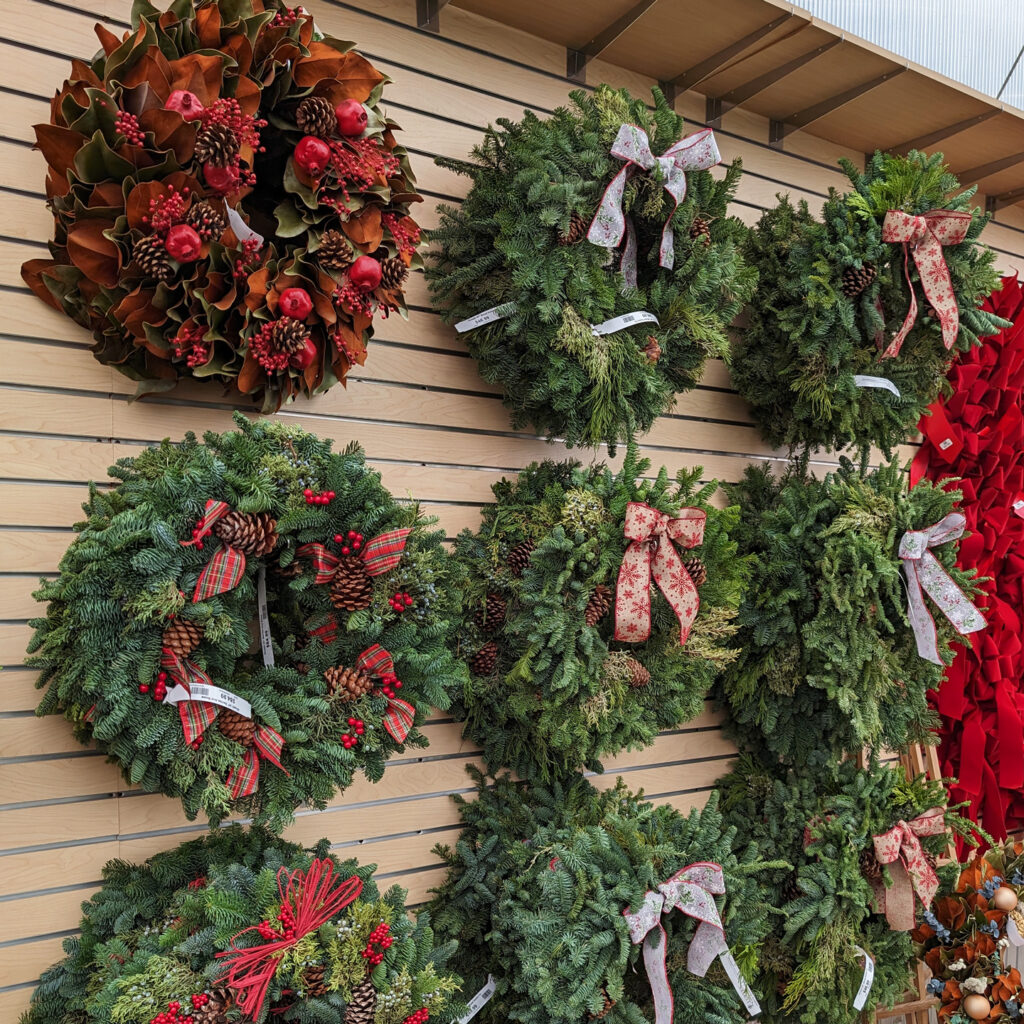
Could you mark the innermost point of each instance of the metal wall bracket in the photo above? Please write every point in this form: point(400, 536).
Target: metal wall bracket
point(578, 57)
point(428, 14)
point(713, 112)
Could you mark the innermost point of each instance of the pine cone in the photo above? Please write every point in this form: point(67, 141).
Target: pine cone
point(253, 533)
point(313, 981)
point(652, 349)
point(315, 116)
point(491, 617)
point(216, 1010)
point(289, 335)
point(519, 557)
point(285, 572)
point(482, 663)
point(334, 253)
point(208, 221)
point(393, 273)
point(347, 683)
point(351, 587)
point(363, 1004)
point(791, 891)
point(577, 229)
point(697, 569)
point(856, 279)
point(638, 675)
point(236, 727)
point(701, 229)
point(606, 1009)
point(182, 637)
point(216, 144)
point(869, 866)
point(598, 605)
point(152, 258)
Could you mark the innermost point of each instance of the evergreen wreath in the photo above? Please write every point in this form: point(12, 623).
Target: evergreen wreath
point(828, 662)
point(551, 690)
point(229, 200)
point(821, 823)
point(832, 294)
point(519, 241)
point(155, 939)
point(537, 886)
point(159, 591)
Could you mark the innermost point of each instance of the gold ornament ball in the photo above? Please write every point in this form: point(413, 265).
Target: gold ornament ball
point(977, 1007)
point(1005, 899)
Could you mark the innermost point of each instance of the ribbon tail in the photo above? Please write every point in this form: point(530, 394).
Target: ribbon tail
point(242, 781)
point(609, 223)
point(655, 960)
point(897, 342)
point(899, 899)
point(948, 597)
point(938, 286)
point(635, 611)
point(270, 744)
point(708, 943)
point(221, 574)
point(921, 620)
point(628, 264)
point(398, 718)
point(675, 583)
point(195, 716)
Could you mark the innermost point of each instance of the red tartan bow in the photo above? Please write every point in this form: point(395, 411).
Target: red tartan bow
point(379, 555)
point(314, 896)
point(195, 715)
point(224, 571)
point(266, 744)
point(400, 715)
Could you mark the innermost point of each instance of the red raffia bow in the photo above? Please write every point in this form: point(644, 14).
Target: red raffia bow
point(911, 873)
point(400, 715)
point(314, 896)
point(225, 569)
point(924, 236)
point(651, 553)
point(379, 555)
point(266, 744)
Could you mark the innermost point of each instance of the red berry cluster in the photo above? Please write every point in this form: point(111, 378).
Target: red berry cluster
point(287, 17)
point(198, 883)
point(172, 1015)
point(400, 602)
point(359, 162)
point(404, 231)
point(341, 342)
point(199, 356)
point(127, 124)
point(352, 299)
point(168, 210)
point(261, 345)
point(188, 342)
point(419, 1017)
point(159, 689)
point(389, 682)
point(249, 259)
point(246, 129)
point(199, 1000)
point(349, 542)
point(350, 739)
point(380, 938)
point(323, 498)
point(287, 930)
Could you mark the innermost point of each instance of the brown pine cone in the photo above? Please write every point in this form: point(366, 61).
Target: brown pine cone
point(519, 557)
point(285, 572)
point(182, 637)
point(856, 279)
point(577, 229)
point(253, 533)
point(638, 675)
point(869, 866)
point(791, 891)
point(697, 569)
point(701, 229)
point(491, 617)
point(315, 116)
point(598, 605)
point(352, 586)
point(347, 683)
point(363, 1004)
point(482, 663)
point(216, 1010)
point(652, 349)
point(289, 335)
point(152, 258)
point(313, 981)
point(335, 252)
point(606, 1009)
point(209, 223)
point(216, 144)
point(393, 273)
point(236, 727)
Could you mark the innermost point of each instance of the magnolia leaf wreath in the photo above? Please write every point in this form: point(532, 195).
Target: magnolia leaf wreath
point(571, 658)
point(146, 645)
point(229, 200)
point(241, 925)
point(858, 314)
point(593, 264)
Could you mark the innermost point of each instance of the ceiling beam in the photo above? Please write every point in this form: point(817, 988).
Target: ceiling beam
point(929, 139)
point(578, 57)
point(428, 14)
point(802, 118)
point(993, 203)
point(982, 171)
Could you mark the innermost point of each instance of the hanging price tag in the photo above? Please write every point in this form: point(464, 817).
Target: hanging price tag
point(488, 316)
point(264, 618)
point(863, 381)
point(866, 981)
point(743, 990)
point(1018, 507)
point(210, 695)
point(479, 1001)
point(242, 230)
point(620, 323)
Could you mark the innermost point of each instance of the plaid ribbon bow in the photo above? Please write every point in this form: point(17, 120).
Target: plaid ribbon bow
point(195, 715)
point(378, 556)
point(911, 873)
point(400, 715)
point(224, 571)
point(267, 745)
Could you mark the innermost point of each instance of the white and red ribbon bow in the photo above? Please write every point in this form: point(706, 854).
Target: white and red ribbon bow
point(400, 715)
point(697, 152)
point(651, 553)
point(911, 873)
point(924, 572)
point(923, 236)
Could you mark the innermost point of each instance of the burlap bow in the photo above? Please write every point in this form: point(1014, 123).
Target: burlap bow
point(378, 556)
point(924, 236)
point(400, 715)
point(651, 554)
point(697, 152)
point(225, 569)
point(924, 571)
point(911, 873)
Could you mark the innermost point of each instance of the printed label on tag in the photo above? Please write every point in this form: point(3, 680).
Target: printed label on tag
point(264, 617)
point(1018, 507)
point(1013, 934)
point(479, 1001)
point(866, 981)
point(863, 381)
point(242, 230)
point(488, 316)
point(743, 990)
point(620, 323)
point(210, 695)
point(945, 443)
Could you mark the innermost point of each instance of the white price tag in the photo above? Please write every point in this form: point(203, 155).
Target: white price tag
point(863, 381)
point(866, 981)
point(743, 990)
point(210, 695)
point(1013, 933)
point(479, 1001)
point(242, 230)
point(266, 643)
point(620, 323)
point(946, 442)
point(488, 316)
point(1018, 504)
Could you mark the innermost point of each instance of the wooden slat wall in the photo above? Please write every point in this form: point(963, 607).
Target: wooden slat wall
point(435, 429)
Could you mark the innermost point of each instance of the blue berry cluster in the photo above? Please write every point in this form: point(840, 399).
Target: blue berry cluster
point(988, 890)
point(935, 987)
point(941, 931)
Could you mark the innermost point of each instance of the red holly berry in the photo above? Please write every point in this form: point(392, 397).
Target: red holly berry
point(305, 356)
point(295, 303)
point(223, 180)
point(365, 273)
point(183, 243)
point(352, 117)
point(313, 155)
point(185, 103)
point(143, 687)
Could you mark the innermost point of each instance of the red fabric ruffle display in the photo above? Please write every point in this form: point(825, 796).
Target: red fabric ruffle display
point(977, 434)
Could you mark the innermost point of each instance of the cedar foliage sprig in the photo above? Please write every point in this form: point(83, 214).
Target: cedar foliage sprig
point(534, 181)
point(805, 340)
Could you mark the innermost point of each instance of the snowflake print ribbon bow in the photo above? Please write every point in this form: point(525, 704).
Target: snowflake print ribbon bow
point(924, 572)
point(651, 553)
point(378, 556)
point(400, 715)
point(924, 236)
point(224, 571)
point(911, 873)
point(697, 152)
